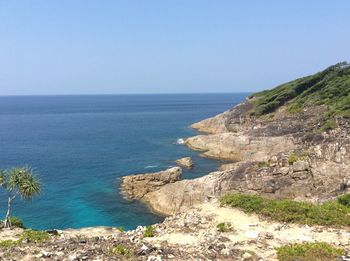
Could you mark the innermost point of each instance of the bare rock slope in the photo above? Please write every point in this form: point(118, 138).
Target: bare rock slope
point(279, 143)
point(277, 165)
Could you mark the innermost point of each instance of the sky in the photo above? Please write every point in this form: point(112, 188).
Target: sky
point(172, 46)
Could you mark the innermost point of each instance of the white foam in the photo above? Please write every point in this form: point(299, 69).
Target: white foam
point(151, 166)
point(180, 141)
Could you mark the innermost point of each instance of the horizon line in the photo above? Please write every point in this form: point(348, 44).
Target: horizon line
point(122, 94)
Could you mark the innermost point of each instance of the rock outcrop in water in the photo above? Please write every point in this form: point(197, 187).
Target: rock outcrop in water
point(284, 166)
point(186, 162)
point(138, 186)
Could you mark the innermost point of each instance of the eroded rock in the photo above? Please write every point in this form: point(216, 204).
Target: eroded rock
point(186, 162)
point(137, 186)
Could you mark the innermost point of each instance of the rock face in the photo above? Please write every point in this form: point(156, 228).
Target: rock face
point(185, 162)
point(278, 156)
point(212, 125)
point(236, 147)
point(137, 186)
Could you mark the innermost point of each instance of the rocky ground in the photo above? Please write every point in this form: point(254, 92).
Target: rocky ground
point(190, 235)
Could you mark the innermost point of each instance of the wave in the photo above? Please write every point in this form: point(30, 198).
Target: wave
point(180, 141)
point(151, 166)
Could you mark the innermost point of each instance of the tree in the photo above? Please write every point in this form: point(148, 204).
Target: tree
point(18, 182)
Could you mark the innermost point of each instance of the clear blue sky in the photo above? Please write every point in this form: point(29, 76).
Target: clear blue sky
point(166, 46)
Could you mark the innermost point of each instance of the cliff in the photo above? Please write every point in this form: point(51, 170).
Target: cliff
point(288, 142)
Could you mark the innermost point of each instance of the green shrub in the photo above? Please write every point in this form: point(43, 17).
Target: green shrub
point(330, 87)
point(292, 158)
point(121, 250)
point(34, 236)
point(121, 229)
point(344, 200)
point(309, 252)
point(295, 108)
point(225, 227)
point(330, 213)
point(8, 243)
point(329, 125)
point(16, 222)
point(297, 156)
point(149, 232)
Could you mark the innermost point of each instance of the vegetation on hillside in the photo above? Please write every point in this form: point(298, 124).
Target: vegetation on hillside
point(16, 222)
point(332, 213)
point(309, 252)
point(225, 227)
point(149, 232)
point(344, 200)
point(33, 236)
point(330, 87)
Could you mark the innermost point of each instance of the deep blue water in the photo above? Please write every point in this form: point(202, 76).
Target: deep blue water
point(81, 145)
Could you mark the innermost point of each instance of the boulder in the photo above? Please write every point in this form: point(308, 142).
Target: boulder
point(137, 186)
point(185, 162)
point(300, 165)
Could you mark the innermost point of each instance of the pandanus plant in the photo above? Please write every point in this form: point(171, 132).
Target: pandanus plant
point(18, 182)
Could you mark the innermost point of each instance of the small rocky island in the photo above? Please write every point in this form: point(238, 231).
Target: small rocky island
point(283, 195)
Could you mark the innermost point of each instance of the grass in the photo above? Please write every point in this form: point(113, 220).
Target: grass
point(149, 232)
point(123, 251)
point(331, 213)
point(344, 200)
point(225, 227)
point(121, 229)
point(330, 87)
point(329, 124)
point(8, 243)
point(292, 158)
point(16, 222)
point(34, 236)
point(295, 157)
point(309, 252)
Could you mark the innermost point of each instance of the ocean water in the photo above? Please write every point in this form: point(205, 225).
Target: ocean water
point(80, 146)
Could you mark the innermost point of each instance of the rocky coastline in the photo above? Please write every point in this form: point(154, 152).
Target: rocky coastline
point(277, 155)
point(274, 158)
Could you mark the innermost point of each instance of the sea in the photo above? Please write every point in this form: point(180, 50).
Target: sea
point(80, 146)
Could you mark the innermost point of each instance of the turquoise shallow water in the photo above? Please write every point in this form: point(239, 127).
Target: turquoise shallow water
point(81, 145)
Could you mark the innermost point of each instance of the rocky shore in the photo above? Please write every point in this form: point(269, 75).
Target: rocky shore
point(302, 156)
point(268, 158)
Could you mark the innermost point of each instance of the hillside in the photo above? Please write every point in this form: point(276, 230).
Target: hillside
point(290, 142)
point(330, 87)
